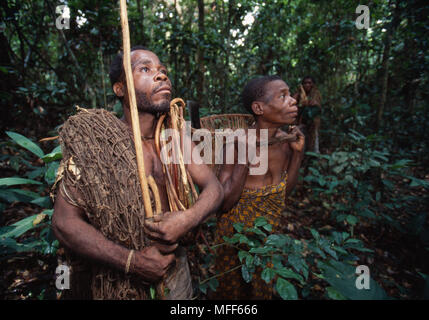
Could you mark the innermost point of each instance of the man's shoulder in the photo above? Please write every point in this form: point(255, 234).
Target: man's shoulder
point(87, 124)
point(90, 114)
point(87, 119)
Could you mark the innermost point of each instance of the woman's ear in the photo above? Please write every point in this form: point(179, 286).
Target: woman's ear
point(258, 108)
point(118, 89)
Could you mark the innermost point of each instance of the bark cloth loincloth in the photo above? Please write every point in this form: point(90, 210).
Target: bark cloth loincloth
point(99, 160)
point(268, 201)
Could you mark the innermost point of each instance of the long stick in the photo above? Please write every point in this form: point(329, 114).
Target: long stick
point(133, 109)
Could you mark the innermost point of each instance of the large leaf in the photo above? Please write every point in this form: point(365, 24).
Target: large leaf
point(26, 143)
point(22, 226)
point(12, 195)
point(289, 274)
point(267, 274)
point(342, 277)
point(44, 202)
point(286, 289)
point(56, 154)
point(51, 173)
point(12, 181)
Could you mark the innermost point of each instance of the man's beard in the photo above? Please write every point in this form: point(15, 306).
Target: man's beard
point(146, 105)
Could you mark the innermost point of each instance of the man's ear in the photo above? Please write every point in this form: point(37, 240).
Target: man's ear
point(258, 108)
point(118, 89)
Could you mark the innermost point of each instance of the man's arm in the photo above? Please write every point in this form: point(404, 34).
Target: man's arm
point(296, 155)
point(176, 224)
point(73, 231)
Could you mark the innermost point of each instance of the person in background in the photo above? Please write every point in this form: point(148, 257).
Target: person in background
point(309, 103)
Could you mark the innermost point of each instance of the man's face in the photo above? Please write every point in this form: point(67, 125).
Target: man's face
point(152, 86)
point(280, 107)
point(307, 84)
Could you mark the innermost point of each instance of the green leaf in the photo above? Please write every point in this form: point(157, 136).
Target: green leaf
point(268, 227)
point(262, 250)
point(296, 262)
point(56, 154)
point(286, 289)
point(330, 251)
point(419, 183)
point(44, 202)
point(20, 227)
point(213, 284)
point(25, 143)
point(267, 274)
point(351, 219)
point(12, 195)
point(260, 221)
point(36, 173)
point(242, 254)
point(203, 287)
point(289, 274)
point(238, 226)
point(367, 213)
point(247, 277)
point(276, 240)
point(256, 231)
point(315, 234)
point(277, 261)
point(334, 294)
point(342, 277)
point(152, 293)
point(12, 181)
point(249, 260)
point(51, 173)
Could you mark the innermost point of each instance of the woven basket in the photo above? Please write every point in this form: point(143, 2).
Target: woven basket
point(223, 121)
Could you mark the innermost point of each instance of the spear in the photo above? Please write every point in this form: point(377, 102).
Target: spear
point(133, 108)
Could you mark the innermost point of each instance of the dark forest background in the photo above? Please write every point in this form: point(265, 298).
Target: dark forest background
point(367, 187)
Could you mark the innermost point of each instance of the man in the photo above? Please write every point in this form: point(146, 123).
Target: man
point(309, 102)
point(99, 212)
point(250, 196)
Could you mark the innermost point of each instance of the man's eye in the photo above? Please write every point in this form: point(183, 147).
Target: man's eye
point(164, 72)
point(144, 69)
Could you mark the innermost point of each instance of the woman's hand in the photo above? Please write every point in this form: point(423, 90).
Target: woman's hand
point(297, 146)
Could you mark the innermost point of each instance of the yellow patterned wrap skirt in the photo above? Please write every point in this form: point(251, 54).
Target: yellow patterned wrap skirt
point(268, 201)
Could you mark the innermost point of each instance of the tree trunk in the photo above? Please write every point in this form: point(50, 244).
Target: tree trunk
point(200, 54)
point(385, 64)
point(227, 37)
point(140, 7)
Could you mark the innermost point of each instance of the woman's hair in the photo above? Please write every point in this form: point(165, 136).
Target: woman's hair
point(255, 90)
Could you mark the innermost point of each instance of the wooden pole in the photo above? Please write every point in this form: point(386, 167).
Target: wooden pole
point(133, 109)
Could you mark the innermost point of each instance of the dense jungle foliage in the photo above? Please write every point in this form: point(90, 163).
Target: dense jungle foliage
point(362, 201)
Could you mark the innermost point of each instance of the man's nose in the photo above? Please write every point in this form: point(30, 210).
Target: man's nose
point(161, 77)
